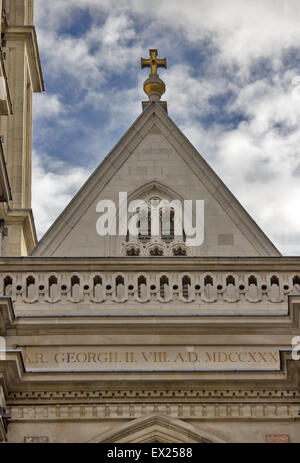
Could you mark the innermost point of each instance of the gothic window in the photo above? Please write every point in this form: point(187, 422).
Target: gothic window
point(145, 226)
point(154, 245)
point(167, 224)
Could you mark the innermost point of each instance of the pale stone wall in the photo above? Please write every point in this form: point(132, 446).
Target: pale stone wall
point(20, 12)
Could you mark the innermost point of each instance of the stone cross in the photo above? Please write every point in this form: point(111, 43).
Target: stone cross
point(153, 62)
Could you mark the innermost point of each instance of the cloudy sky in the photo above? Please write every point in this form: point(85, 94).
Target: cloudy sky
point(233, 88)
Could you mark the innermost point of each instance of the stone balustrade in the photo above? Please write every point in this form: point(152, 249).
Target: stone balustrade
point(102, 288)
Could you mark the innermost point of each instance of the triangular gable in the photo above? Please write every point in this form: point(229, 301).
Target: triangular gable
point(152, 122)
point(156, 428)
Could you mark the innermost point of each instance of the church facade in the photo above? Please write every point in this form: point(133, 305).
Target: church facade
point(124, 336)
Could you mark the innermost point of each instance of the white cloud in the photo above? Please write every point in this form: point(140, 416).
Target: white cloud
point(54, 185)
point(68, 55)
point(47, 105)
point(259, 158)
point(115, 29)
point(190, 94)
point(242, 30)
point(247, 48)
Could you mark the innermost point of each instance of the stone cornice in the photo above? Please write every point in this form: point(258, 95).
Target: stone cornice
point(223, 410)
point(7, 314)
point(160, 264)
point(28, 35)
point(25, 218)
point(11, 370)
point(83, 325)
point(159, 393)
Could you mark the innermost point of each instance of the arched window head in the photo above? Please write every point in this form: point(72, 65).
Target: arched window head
point(154, 201)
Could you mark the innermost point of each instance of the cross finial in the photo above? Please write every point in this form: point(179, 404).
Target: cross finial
point(154, 87)
point(153, 62)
